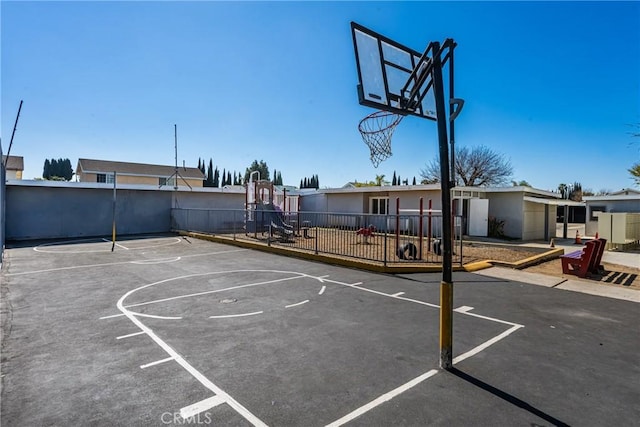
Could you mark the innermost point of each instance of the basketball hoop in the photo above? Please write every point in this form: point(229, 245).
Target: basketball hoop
point(376, 130)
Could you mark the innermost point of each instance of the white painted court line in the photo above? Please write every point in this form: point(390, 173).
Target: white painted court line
point(296, 304)
point(130, 335)
point(384, 398)
point(486, 344)
point(112, 316)
point(157, 362)
point(463, 309)
point(493, 319)
point(322, 290)
point(208, 292)
point(117, 244)
point(157, 261)
point(428, 304)
point(199, 407)
point(236, 315)
point(239, 408)
point(154, 316)
point(397, 294)
point(108, 264)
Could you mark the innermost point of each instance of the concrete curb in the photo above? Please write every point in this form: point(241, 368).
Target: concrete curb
point(377, 268)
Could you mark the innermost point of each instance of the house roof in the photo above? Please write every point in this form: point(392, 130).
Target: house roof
point(135, 169)
point(15, 163)
point(609, 197)
point(625, 192)
point(377, 189)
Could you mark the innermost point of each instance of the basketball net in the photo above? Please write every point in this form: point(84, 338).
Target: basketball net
point(376, 130)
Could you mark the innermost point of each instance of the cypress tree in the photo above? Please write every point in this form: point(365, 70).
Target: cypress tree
point(46, 170)
point(216, 178)
point(394, 181)
point(68, 170)
point(414, 181)
point(208, 182)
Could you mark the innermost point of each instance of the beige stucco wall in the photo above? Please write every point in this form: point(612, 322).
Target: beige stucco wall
point(13, 174)
point(143, 180)
point(533, 221)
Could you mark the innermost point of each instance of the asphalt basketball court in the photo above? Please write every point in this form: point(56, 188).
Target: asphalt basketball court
point(168, 330)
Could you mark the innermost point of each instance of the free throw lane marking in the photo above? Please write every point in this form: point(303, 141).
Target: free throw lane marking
point(157, 362)
point(130, 335)
point(463, 309)
point(384, 398)
point(199, 407)
point(397, 294)
point(322, 290)
point(486, 344)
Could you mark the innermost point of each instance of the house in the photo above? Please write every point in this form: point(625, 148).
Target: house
point(90, 170)
point(528, 213)
point(15, 166)
point(625, 200)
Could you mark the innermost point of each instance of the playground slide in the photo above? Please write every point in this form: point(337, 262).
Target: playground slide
point(276, 217)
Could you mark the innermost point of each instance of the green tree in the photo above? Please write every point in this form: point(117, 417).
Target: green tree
point(563, 189)
point(521, 183)
point(634, 170)
point(478, 166)
point(57, 169)
point(209, 179)
point(575, 193)
point(46, 170)
point(216, 178)
point(66, 170)
point(379, 180)
point(257, 166)
point(394, 180)
point(414, 181)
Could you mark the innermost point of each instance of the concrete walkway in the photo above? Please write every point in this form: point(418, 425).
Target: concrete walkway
point(629, 259)
point(562, 283)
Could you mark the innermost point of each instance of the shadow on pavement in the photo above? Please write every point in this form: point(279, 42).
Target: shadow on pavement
point(507, 397)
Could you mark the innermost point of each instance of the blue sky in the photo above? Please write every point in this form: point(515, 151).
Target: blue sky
point(553, 86)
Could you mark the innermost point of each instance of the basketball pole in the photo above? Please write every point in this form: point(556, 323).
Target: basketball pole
point(446, 285)
point(113, 224)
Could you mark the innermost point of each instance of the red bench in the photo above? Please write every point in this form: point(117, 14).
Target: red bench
point(580, 263)
point(595, 267)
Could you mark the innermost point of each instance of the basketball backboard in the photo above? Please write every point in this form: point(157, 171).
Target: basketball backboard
point(384, 70)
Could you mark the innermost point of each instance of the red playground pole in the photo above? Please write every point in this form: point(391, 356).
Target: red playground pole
point(429, 229)
point(420, 228)
point(397, 222)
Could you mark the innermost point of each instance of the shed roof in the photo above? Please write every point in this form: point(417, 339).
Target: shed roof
point(15, 163)
point(135, 169)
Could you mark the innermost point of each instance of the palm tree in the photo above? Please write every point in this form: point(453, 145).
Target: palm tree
point(563, 189)
point(379, 180)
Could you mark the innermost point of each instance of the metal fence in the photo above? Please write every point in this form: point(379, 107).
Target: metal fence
point(378, 238)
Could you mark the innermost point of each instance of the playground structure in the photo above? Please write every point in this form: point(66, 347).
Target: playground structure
point(273, 216)
point(269, 209)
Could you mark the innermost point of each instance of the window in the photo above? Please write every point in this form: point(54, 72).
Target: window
point(379, 205)
point(105, 177)
point(594, 209)
point(167, 181)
